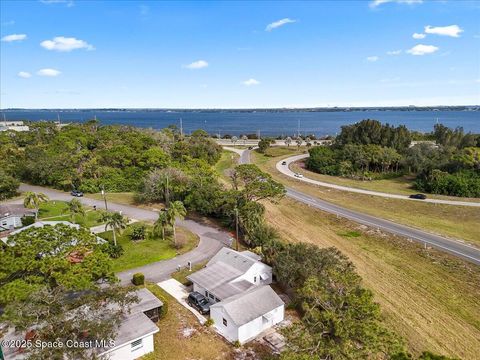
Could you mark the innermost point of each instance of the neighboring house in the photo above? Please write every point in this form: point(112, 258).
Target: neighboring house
point(229, 273)
point(236, 284)
point(243, 316)
point(134, 338)
point(11, 216)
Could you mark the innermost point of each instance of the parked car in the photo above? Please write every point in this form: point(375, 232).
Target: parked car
point(284, 163)
point(298, 175)
point(76, 193)
point(199, 302)
point(418, 196)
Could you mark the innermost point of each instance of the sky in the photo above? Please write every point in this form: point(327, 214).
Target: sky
point(151, 54)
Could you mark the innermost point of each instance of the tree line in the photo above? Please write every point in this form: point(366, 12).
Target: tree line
point(449, 164)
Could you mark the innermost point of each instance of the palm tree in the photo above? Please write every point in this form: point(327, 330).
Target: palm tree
point(115, 220)
point(176, 210)
point(33, 200)
point(299, 142)
point(244, 139)
point(75, 207)
point(234, 140)
point(161, 223)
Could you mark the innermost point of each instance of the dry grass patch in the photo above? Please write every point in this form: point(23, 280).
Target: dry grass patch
point(429, 298)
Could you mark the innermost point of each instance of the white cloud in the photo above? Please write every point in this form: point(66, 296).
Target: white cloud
point(14, 37)
point(375, 3)
point(24, 74)
point(372, 58)
point(452, 30)
point(394, 52)
point(48, 72)
point(422, 49)
point(250, 82)
point(277, 24)
point(419, 36)
point(61, 43)
point(199, 64)
point(69, 3)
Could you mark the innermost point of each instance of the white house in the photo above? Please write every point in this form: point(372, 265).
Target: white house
point(243, 316)
point(229, 273)
point(237, 286)
point(11, 216)
point(134, 338)
point(13, 125)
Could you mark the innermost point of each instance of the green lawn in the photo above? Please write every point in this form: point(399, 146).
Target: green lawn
point(228, 161)
point(149, 250)
point(58, 211)
point(182, 274)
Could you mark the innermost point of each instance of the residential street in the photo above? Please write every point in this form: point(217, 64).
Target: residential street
point(211, 238)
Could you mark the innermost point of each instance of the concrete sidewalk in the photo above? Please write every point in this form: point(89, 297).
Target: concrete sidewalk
point(180, 293)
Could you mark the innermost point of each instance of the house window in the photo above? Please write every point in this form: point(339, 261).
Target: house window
point(211, 296)
point(254, 279)
point(4, 223)
point(217, 299)
point(137, 344)
point(206, 293)
point(224, 322)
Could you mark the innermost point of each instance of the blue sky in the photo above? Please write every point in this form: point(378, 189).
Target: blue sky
point(88, 54)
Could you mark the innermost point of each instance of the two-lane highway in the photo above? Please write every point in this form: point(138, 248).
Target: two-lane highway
point(454, 247)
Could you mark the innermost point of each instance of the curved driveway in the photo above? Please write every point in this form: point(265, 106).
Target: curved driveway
point(211, 238)
point(454, 247)
point(285, 169)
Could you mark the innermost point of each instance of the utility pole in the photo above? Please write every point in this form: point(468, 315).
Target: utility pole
point(104, 197)
point(236, 227)
point(167, 193)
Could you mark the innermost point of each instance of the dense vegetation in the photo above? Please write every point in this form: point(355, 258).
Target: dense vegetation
point(369, 150)
point(89, 157)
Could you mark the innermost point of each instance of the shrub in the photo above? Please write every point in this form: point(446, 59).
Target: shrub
point(138, 232)
point(209, 322)
point(114, 251)
point(237, 344)
point(138, 279)
point(27, 220)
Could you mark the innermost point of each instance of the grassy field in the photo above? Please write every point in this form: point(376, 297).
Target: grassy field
point(459, 222)
point(227, 162)
point(429, 298)
point(182, 337)
point(149, 250)
point(58, 211)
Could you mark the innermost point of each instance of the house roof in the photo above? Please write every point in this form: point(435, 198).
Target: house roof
point(251, 255)
point(235, 259)
point(214, 275)
point(15, 209)
point(247, 306)
point(148, 301)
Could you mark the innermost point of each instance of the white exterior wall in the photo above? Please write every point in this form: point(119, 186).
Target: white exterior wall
point(12, 220)
point(251, 330)
point(247, 331)
point(255, 271)
point(230, 332)
point(201, 290)
point(125, 352)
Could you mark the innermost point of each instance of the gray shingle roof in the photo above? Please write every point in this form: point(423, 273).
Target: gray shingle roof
point(148, 301)
point(244, 307)
point(214, 275)
point(224, 291)
point(15, 209)
point(237, 260)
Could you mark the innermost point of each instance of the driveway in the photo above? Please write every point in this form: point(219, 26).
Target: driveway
point(211, 239)
point(180, 293)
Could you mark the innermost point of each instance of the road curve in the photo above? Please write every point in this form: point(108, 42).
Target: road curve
point(454, 247)
point(211, 238)
point(285, 169)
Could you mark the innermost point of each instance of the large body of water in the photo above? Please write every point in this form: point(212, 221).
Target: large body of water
point(267, 123)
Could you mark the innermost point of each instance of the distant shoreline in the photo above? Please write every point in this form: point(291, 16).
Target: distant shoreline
point(286, 109)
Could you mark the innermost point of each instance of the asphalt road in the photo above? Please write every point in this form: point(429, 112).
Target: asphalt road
point(285, 169)
point(454, 247)
point(211, 238)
